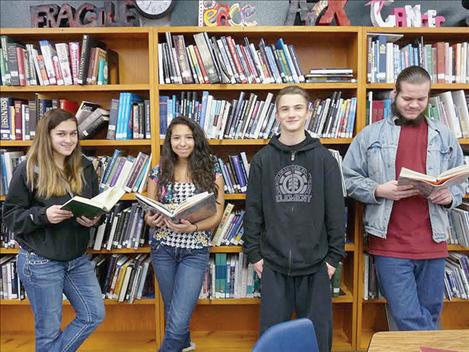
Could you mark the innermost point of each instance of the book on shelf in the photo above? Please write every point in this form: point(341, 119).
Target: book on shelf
point(193, 209)
point(100, 204)
point(427, 184)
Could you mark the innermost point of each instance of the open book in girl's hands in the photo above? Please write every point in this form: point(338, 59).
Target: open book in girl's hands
point(427, 184)
point(102, 203)
point(193, 209)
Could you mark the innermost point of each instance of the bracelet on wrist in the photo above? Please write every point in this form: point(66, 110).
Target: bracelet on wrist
point(196, 228)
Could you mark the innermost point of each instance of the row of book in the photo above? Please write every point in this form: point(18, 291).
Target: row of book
point(128, 118)
point(459, 225)
point(121, 278)
point(330, 75)
point(123, 227)
point(249, 117)
point(245, 117)
point(222, 60)
point(122, 171)
point(332, 117)
point(10, 284)
point(124, 278)
point(127, 172)
point(457, 276)
point(230, 276)
point(230, 229)
point(127, 278)
point(8, 162)
point(446, 62)
point(18, 117)
point(235, 171)
point(450, 108)
point(85, 62)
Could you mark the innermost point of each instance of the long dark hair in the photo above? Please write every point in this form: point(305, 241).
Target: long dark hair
point(201, 163)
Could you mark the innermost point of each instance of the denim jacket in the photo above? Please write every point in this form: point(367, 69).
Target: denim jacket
point(371, 160)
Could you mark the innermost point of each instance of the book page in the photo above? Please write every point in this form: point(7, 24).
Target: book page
point(455, 171)
point(109, 197)
point(149, 204)
point(190, 201)
point(197, 210)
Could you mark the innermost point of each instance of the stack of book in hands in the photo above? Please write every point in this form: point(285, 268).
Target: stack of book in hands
point(325, 75)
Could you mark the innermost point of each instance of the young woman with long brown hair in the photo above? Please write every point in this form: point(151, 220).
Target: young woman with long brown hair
point(52, 261)
point(180, 252)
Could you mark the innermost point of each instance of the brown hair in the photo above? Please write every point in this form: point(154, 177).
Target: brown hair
point(292, 90)
point(43, 175)
point(201, 164)
point(413, 75)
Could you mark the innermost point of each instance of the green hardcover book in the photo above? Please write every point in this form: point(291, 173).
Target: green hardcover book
point(102, 203)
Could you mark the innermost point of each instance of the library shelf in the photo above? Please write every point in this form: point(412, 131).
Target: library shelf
point(222, 301)
point(107, 302)
point(254, 86)
point(76, 88)
point(436, 86)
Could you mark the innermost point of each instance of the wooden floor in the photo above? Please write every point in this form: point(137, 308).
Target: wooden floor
point(102, 342)
point(207, 341)
point(131, 342)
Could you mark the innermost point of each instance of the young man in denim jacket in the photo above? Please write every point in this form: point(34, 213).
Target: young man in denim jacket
point(406, 232)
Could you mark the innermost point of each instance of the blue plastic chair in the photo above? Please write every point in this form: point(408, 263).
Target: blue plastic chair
point(290, 336)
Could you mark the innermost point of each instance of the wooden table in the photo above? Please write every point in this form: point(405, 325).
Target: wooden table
point(412, 341)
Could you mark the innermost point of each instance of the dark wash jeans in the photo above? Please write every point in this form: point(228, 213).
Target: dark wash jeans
point(180, 274)
point(45, 282)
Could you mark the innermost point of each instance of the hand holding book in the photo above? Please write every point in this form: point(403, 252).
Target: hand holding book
point(426, 184)
point(193, 209)
point(95, 206)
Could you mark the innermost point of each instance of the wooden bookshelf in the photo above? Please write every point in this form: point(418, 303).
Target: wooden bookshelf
point(254, 87)
point(435, 86)
point(318, 47)
point(221, 324)
point(139, 320)
point(77, 88)
point(107, 302)
point(371, 315)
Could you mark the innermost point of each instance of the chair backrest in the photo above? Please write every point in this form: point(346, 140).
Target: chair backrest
point(290, 336)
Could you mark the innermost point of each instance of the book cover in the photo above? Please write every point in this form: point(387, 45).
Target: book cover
point(193, 209)
point(102, 203)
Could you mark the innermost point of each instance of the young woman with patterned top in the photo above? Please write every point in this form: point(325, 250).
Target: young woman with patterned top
point(180, 252)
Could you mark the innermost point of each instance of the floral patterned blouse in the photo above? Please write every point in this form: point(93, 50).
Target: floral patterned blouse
point(178, 192)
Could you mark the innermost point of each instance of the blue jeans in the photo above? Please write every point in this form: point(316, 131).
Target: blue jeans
point(414, 290)
point(45, 282)
point(180, 274)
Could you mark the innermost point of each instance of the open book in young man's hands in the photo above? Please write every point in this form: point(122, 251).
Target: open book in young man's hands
point(102, 203)
point(193, 209)
point(427, 184)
